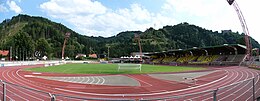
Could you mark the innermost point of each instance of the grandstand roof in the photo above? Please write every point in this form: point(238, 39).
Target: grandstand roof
point(213, 50)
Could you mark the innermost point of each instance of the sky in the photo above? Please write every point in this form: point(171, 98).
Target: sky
point(109, 17)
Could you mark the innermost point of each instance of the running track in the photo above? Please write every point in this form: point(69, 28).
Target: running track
point(150, 88)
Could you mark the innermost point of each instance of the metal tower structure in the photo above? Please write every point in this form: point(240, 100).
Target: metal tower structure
point(244, 26)
point(67, 35)
point(137, 37)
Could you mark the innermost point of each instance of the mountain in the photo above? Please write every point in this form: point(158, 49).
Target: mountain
point(28, 34)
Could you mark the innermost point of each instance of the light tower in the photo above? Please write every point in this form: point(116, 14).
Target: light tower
point(137, 37)
point(244, 26)
point(67, 35)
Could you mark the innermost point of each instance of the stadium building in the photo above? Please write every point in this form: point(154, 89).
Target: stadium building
point(227, 54)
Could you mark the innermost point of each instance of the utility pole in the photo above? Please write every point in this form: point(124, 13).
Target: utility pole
point(108, 52)
point(10, 57)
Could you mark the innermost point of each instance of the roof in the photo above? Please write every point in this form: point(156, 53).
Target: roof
point(226, 48)
point(4, 52)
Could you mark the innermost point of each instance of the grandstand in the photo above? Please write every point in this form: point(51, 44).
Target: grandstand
point(232, 54)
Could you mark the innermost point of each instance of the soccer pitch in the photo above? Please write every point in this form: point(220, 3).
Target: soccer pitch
point(110, 69)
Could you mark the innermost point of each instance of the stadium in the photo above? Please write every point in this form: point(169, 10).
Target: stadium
point(223, 72)
point(209, 73)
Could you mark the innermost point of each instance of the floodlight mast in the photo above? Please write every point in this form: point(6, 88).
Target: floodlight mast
point(67, 35)
point(244, 26)
point(137, 37)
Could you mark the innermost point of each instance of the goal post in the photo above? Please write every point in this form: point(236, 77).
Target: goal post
point(130, 66)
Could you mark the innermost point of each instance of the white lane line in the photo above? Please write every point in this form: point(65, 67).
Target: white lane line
point(82, 79)
point(98, 80)
point(229, 81)
point(92, 80)
point(26, 93)
point(35, 85)
point(86, 82)
point(22, 80)
point(254, 84)
point(7, 89)
point(219, 83)
point(144, 94)
point(140, 80)
point(12, 87)
point(237, 89)
point(244, 91)
point(66, 79)
point(103, 80)
point(77, 79)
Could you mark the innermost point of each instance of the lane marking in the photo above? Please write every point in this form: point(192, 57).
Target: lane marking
point(143, 94)
point(92, 80)
point(103, 80)
point(36, 73)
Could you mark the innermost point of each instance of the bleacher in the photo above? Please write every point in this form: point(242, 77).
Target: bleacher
point(216, 55)
point(157, 60)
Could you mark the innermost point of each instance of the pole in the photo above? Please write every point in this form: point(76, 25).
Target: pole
point(52, 97)
point(108, 52)
point(10, 58)
point(253, 89)
point(215, 95)
point(4, 91)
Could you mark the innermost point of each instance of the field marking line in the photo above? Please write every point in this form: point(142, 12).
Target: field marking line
point(143, 94)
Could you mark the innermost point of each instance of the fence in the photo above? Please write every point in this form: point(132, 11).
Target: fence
point(248, 89)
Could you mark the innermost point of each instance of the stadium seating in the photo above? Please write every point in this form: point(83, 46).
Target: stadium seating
point(157, 60)
point(201, 60)
point(169, 59)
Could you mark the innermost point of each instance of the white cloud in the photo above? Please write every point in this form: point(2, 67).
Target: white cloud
point(216, 14)
point(72, 8)
point(92, 18)
point(3, 8)
point(13, 6)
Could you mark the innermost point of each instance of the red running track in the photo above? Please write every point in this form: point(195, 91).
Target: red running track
point(151, 88)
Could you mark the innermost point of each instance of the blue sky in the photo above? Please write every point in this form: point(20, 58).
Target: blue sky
point(109, 17)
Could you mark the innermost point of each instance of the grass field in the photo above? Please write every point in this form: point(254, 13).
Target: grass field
point(110, 69)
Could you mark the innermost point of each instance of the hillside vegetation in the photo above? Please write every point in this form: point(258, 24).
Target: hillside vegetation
point(27, 34)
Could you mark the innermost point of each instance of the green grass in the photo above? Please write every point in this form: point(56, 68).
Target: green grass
point(110, 69)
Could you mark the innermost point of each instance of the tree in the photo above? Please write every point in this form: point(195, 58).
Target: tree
point(23, 45)
point(43, 46)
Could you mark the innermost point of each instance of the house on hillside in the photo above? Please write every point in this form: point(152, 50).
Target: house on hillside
point(3, 54)
point(92, 55)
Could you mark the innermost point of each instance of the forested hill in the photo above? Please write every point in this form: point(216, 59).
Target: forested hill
point(27, 34)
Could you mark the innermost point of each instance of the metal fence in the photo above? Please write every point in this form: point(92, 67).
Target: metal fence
point(248, 89)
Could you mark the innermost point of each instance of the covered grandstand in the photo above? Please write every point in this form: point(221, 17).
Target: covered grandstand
point(227, 54)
